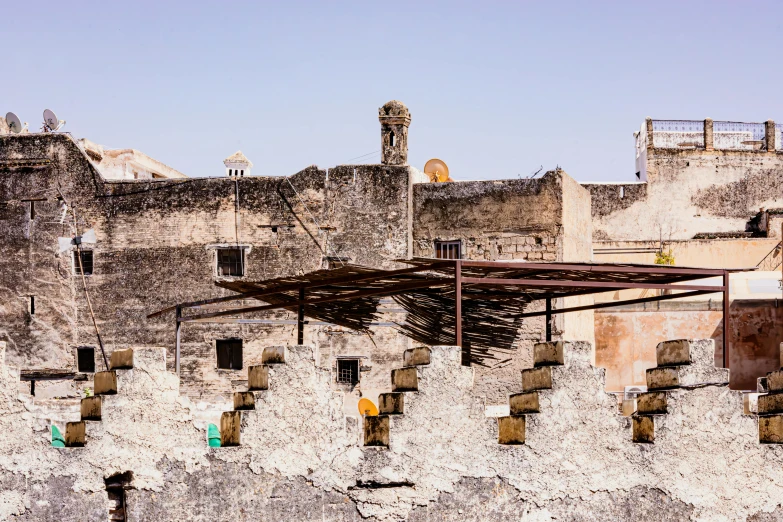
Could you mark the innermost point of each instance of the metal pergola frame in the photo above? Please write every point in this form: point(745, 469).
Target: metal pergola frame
point(546, 281)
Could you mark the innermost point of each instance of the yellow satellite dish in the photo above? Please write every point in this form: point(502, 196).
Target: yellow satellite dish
point(366, 407)
point(437, 170)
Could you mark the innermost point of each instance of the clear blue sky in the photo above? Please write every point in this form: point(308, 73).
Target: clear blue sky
point(496, 89)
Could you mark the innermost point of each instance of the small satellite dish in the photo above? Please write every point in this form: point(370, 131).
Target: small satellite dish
point(437, 170)
point(366, 407)
point(51, 123)
point(13, 123)
point(65, 243)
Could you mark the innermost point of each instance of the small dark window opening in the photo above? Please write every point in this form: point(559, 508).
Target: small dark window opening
point(87, 258)
point(391, 139)
point(32, 210)
point(242, 172)
point(274, 229)
point(32, 305)
point(539, 241)
point(229, 354)
point(32, 388)
point(639, 175)
point(348, 371)
point(230, 262)
point(85, 359)
point(115, 489)
point(230, 172)
point(448, 249)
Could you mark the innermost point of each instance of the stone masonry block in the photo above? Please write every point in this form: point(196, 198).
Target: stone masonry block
point(405, 379)
point(628, 407)
point(244, 400)
point(391, 403)
point(775, 381)
point(75, 434)
point(537, 379)
point(258, 378)
point(274, 355)
point(105, 383)
point(230, 424)
point(376, 431)
point(662, 378)
point(91, 408)
point(771, 429)
point(548, 354)
point(652, 403)
point(685, 376)
point(416, 356)
point(770, 404)
point(121, 359)
point(511, 429)
point(643, 429)
point(522, 403)
point(673, 353)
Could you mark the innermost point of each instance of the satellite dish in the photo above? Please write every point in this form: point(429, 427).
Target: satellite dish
point(366, 407)
point(437, 170)
point(13, 123)
point(51, 123)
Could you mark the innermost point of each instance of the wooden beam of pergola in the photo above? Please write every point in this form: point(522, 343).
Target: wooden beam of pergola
point(305, 285)
point(300, 303)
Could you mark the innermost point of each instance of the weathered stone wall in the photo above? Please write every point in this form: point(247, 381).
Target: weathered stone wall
point(688, 192)
point(535, 220)
point(300, 458)
point(156, 247)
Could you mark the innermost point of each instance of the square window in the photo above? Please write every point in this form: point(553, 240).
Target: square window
point(85, 359)
point(448, 249)
point(229, 354)
point(86, 256)
point(231, 262)
point(348, 371)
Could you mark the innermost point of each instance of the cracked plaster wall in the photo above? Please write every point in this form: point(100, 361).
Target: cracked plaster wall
point(300, 457)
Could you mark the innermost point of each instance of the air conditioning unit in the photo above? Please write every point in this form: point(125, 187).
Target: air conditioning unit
point(631, 392)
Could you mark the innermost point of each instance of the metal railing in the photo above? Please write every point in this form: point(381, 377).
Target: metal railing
point(772, 260)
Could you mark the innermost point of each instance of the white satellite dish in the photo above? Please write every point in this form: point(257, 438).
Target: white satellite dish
point(13, 122)
point(51, 123)
point(65, 243)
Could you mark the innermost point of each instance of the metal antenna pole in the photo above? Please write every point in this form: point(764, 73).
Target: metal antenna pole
point(89, 303)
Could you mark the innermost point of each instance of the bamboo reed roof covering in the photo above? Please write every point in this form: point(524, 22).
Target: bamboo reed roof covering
point(494, 295)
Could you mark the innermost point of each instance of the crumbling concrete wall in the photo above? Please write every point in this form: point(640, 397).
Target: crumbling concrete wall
point(300, 458)
point(688, 192)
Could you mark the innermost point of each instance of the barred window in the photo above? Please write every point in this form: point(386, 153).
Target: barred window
point(448, 249)
point(86, 264)
point(231, 262)
point(348, 371)
point(229, 354)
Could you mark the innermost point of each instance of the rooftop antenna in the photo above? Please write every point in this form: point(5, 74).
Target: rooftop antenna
point(533, 175)
point(13, 122)
point(437, 170)
point(51, 123)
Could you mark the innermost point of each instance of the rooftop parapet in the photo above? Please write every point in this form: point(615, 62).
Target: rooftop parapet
point(709, 135)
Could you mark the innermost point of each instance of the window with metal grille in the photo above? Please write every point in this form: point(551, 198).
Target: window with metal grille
point(448, 249)
point(231, 262)
point(86, 265)
point(229, 354)
point(85, 359)
point(348, 371)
